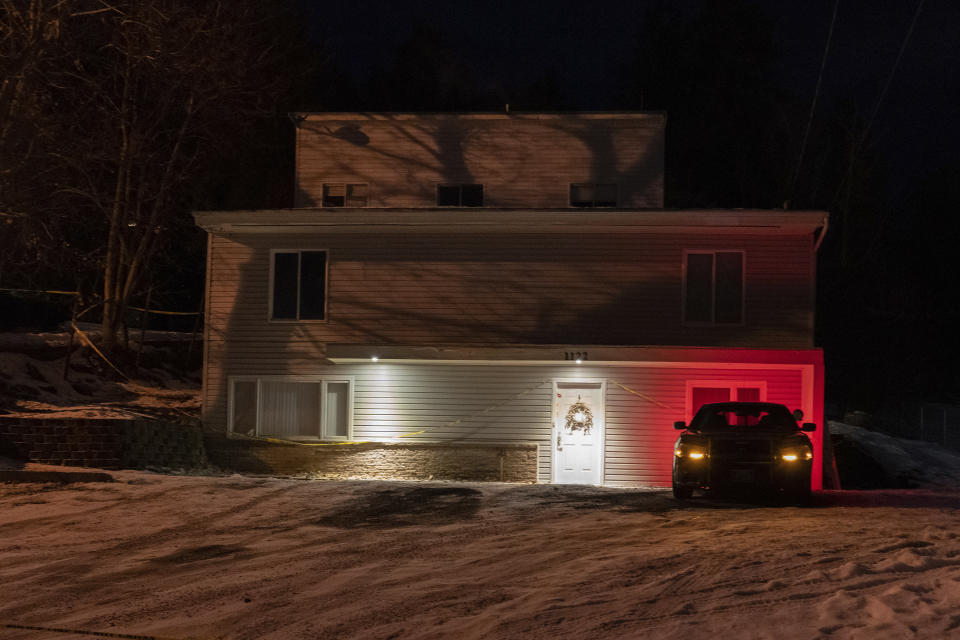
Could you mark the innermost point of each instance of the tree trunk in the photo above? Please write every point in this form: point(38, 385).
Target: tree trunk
point(113, 261)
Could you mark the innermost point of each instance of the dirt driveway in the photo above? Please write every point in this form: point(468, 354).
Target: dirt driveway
point(242, 557)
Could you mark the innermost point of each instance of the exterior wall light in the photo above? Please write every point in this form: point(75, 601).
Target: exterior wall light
point(374, 358)
point(579, 361)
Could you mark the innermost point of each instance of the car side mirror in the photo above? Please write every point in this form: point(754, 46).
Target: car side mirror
point(679, 425)
point(798, 414)
point(808, 426)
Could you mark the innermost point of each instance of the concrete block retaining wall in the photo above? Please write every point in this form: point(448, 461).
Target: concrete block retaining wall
point(102, 443)
point(135, 444)
point(401, 461)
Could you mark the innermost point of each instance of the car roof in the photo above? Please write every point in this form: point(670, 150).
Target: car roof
point(733, 406)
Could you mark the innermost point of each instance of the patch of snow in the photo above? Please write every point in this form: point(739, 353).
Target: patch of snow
point(908, 462)
point(269, 558)
point(32, 381)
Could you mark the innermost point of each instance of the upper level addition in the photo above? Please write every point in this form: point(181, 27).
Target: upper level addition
point(493, 160)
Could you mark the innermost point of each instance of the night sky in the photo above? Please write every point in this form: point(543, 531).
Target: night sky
point(588, 49)
point(885, 288)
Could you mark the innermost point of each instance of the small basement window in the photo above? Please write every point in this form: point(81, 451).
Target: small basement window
point(292, 407)
point(713, 284)
point(299, 285)
point(344, 195)
point(592, 194)
point(459, 195)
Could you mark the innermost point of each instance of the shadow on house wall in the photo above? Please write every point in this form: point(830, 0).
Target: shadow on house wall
point(523, 160)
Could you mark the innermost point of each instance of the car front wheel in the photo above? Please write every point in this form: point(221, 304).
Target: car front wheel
point(681, 492)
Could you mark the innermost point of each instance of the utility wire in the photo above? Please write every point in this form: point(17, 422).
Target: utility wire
point(813, 107)
point(844, 235)
point(883, 94)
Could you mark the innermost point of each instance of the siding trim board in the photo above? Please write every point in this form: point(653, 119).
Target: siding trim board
point(373, 221)
point(556, 354)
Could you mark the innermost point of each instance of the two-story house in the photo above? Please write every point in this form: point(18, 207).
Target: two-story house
point(502, 279)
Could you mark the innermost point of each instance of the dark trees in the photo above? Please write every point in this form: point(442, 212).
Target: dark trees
point(136, 99)
point(727, 132)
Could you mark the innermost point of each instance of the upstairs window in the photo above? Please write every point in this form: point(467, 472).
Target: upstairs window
point(344, 195)
point(459, 195)
point(299, 285)
point(713, 287)
point(592, 194)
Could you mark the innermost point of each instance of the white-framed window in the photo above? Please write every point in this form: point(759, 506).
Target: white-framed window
point(344, 194)
point(459, 195)
point(713, 287)
point(701, 392)
point(298, 284)
point(593, 194)
point(292, 407)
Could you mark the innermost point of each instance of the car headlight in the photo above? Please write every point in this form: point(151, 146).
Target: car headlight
point(793, 454)
point(693, 453)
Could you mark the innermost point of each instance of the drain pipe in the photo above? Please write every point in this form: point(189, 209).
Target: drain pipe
point(826, 225)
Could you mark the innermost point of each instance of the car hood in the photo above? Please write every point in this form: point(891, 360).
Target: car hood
point(796, 437)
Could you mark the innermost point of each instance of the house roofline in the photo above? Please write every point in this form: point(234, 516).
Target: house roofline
point(511, 221)
point(300, 116)
point(567, 354)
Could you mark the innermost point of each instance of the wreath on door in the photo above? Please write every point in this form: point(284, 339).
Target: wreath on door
point(579, 417)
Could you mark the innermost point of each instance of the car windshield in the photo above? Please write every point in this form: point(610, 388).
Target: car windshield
point(728, 416)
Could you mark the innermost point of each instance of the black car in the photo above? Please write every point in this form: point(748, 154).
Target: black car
point(743, 446)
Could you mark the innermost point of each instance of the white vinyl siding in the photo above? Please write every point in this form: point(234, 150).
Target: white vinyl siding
point(522, 161)
point(511, 404)
point(523, 289)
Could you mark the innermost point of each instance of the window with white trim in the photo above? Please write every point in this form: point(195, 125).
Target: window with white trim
point(343, 194)
point(292, 407)
point(701, 392)
point(713, 284)
point(298, 285)
point(459, 195)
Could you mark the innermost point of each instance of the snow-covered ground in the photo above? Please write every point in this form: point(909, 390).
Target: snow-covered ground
point(246, 557)
point(870, 459)
point(32, 378)
point(249, 557)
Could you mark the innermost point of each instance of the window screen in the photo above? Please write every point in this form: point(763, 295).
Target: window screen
point(344, 195)
point(285, 285)
point(729, 293)
point(356, 195)
point(313, 275)
point(699, 287)
point(713, 288)
point(337, 406)
point(290, 408)
point(299, 285)
point(460, 195)
point(471, 195)
point(334, 195)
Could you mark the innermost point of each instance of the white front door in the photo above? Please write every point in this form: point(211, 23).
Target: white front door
point(578, 423)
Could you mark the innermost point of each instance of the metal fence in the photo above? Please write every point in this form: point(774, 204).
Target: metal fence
point(938, 423)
